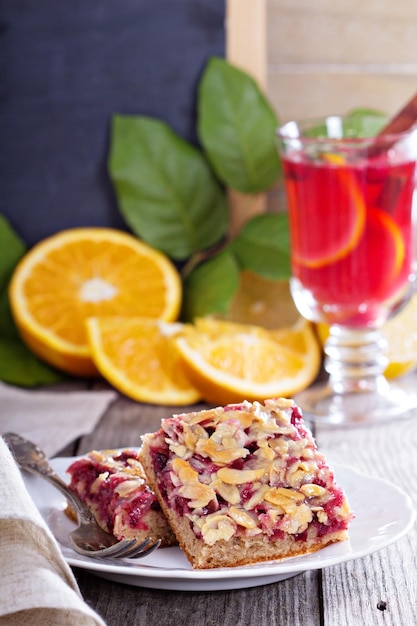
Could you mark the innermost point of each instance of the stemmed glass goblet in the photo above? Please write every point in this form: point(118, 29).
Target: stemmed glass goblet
point(349, 199)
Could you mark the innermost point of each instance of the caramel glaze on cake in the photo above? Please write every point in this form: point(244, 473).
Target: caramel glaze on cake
point(113, 485)
point(244, 483)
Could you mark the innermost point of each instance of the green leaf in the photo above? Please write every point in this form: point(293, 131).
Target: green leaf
point(357, 123)
point(12, 249)
point(166, 191)
point(210, 287)
point(263, 246)
point(236, 126)
point(7, 325)
point(18, 366)
point(366, 122)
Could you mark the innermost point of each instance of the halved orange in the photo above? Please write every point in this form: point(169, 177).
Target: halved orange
point(139, 357)
point(85, 272)
point(230, 362)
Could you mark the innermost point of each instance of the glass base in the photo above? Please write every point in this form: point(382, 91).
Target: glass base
point(321, 405)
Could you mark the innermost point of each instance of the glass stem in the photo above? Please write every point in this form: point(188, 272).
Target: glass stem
point(355, 360)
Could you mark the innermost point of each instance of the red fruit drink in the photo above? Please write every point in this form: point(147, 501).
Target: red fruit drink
point(351, 236)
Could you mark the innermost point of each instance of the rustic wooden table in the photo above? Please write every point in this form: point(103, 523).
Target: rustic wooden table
point(373, 590)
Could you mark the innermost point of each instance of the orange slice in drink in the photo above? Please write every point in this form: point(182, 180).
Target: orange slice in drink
point(371, 273)
point(384, 253)
point(340, 208)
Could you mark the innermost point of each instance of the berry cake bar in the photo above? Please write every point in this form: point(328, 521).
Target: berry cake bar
point(244, 483)
point(113, 485)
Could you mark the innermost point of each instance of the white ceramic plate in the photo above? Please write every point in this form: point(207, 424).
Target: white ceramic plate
point(383, 514)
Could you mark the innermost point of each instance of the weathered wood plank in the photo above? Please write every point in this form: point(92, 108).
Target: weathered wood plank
point(294, 601)
point(124, 423)
point(327, 57)
point(246, 48)
point(381, 588)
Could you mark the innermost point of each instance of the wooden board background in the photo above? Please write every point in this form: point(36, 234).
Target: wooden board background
point(65, 67)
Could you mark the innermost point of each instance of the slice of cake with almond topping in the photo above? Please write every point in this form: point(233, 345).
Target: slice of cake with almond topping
point(244, 483)
point(113, 485)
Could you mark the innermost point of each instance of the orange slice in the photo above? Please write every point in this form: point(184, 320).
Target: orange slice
point(87, 272)
point(371, 273)
point(230, 362)
point(309, 247)
point(386, 236)
point(263, 302)
point(139, 358)
point(401, 334)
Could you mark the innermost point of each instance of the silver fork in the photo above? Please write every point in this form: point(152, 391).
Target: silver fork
point(88, 539)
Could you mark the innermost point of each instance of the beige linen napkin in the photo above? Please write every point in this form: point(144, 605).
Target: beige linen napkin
point(37, 586)
point(51, 419)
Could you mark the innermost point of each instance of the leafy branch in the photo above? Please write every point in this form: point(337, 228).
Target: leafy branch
point(173, 196)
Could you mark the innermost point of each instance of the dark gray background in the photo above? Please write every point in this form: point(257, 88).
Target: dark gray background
point(65, 67)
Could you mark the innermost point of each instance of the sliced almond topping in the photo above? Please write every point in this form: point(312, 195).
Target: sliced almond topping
point(184, 470)
point(273, 515)
point(230, 493)
point(265, 453)
point(322, 517)
point(301, 472)
point(343, 511)
point(192, 435)
point(277, 472)
point(217, 527)
point(313, 491)
point(280, 496)
point(256, 498)
point(244, 417)
point(238, 477)
point(210, 416)
point(297, 520)
point(198, 494)
point(218, 454)
point(134, 467)
point(225, 430)
point(280, 403)
point(128, 486)
point(178, 449)
point(242, 518)
point(280, 446)
point(229, 442)
point(96, 486)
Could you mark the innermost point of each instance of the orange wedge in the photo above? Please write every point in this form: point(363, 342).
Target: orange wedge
point(230, 362)
point(401, 334)
point(87, 272)
point(139, 358)
point(262, 302)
